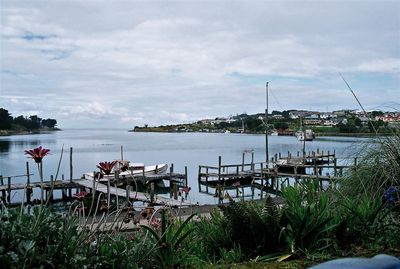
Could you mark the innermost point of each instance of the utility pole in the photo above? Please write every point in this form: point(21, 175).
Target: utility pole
point(266, 124)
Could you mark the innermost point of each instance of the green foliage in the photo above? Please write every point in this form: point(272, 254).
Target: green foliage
point(29, 241)
point(32, 122)
point(5, 119)
point(45, 239)
point(213, 235)
point(167, 249)
point(253, 226)
point(308, 222)
point(362, 220)
point(378, 169)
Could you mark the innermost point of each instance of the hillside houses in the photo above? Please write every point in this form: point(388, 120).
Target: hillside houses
point(389, 117)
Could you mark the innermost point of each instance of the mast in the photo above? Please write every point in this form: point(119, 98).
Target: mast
point(266, 124)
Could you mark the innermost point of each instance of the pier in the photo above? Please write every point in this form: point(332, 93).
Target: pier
point(9, 185)
point(270, 177)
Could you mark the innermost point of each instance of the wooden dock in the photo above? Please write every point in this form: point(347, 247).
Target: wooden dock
point(8, 186)
point(272, 176)
point(136, 196)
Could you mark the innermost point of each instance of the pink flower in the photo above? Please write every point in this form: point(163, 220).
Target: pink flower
point(37, 154)
point(107, 167)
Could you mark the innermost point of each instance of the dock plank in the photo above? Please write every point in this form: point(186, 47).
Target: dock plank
point(139, 196)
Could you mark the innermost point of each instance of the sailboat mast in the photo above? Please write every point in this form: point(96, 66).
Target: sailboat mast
point(266, 124)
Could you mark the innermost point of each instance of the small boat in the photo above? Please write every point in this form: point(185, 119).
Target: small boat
point(132, 170)
point(307, 135)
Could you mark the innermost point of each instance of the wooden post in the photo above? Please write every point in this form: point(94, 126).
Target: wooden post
point(122, 153)
point(156, 171)
point(199, 174)
point(243, 161)
point(175, 190)
point(28, 189)
point(280, 155)
point(63, 190)
point(70, 171)
point(3, 192)
point(93, 191)
point(186, 176)
point(207, 179)
point(252, 160)
point(116, 181)
point(8, 189)
point(51, 188)
point(335, 167)
point(219, 168)
point(152, 192)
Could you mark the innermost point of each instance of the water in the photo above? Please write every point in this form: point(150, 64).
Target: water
point(91, 146)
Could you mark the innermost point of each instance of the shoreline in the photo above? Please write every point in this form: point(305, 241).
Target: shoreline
point(317, 134)
point(27, 132)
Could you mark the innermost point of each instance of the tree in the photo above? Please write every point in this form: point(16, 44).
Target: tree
point(50, 123)
point(35, 122)
point(5, 119)
point(281, 125)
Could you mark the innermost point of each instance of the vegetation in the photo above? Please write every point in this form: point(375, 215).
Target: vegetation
point(358, 216)
point(22, 123)
point(348, 123)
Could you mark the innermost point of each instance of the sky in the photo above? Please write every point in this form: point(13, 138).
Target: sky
point(127, 63)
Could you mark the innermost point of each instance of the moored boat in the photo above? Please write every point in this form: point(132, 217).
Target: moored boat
point(129, 170)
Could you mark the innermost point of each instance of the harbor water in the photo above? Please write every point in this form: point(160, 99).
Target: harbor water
point(91, 146)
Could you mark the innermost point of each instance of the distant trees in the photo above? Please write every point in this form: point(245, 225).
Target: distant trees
point(33, 122)
point(5, 119)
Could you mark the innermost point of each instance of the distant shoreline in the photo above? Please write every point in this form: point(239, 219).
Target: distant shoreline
point(317, 134)
point(27, 132)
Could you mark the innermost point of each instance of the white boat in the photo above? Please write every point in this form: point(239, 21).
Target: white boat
point(133, 169)
point(307, 135)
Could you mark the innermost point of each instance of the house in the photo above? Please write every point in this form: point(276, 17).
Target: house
point(327, 116)
point(312, 119)
point(389, 117)
point(296, 114)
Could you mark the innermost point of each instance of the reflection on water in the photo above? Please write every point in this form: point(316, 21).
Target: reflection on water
point(4, 145)
point(183, 149)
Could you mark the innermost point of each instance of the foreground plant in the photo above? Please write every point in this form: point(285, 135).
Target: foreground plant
point(38, 154)
point(309, 222)
point(168, 239)
point(107, 167)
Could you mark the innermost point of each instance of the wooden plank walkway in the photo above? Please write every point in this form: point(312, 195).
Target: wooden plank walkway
point(139, 196)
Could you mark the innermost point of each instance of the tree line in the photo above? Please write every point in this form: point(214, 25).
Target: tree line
point(8, 122)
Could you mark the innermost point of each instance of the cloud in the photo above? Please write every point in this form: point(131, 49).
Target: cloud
point(148, 62)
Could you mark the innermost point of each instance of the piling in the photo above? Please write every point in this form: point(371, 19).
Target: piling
point(219, 168)
point(70, 172)
point(8, 189)
point(28, 190)
point(3, 192)
point(152, 187)
point(186, 176)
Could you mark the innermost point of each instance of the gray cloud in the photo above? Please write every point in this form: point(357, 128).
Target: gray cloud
point(156, 62)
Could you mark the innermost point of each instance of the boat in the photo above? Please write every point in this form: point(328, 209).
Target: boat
point(307, 135)
point(129, 170)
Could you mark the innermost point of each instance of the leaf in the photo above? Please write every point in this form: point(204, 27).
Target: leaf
point(284, 257)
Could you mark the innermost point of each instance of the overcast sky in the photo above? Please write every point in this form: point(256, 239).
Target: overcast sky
point(127, 63)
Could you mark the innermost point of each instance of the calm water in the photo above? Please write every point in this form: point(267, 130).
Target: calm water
point(183, 149)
